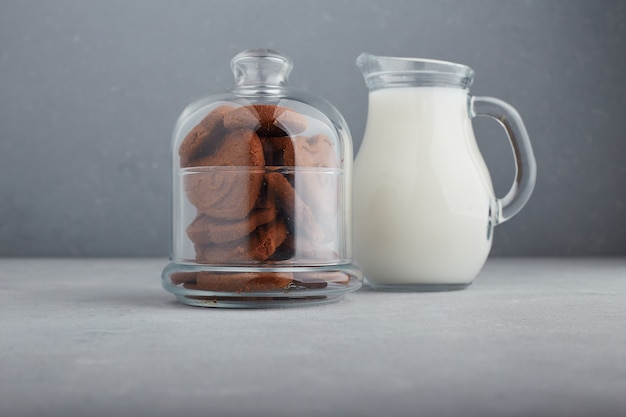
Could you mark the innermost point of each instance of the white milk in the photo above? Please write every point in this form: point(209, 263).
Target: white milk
point(423, 200)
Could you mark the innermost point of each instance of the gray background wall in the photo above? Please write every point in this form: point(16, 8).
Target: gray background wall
point(90, 91)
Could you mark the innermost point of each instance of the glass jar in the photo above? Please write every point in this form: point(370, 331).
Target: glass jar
point(261, 195)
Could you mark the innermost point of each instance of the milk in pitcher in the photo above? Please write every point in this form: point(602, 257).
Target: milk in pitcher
point(424, 201)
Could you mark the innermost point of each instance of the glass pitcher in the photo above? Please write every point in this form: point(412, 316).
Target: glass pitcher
point(424, 204)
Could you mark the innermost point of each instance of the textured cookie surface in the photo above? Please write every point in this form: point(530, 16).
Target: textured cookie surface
point(319, 189)
point(294, 208)
point(205, 229)
point(243, 281)
point(335, 277)
point(178, 278)
point(266, 120)
point(204, 138)
point(278, 151)
point(228, 193)
point(315, 151)
point(256, 247)
point(241, 147)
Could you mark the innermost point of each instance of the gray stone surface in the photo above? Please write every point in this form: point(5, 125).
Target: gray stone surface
point(531, 337)
point(90, 91)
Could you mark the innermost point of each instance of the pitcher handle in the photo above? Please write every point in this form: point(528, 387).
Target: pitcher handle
point(525, 165)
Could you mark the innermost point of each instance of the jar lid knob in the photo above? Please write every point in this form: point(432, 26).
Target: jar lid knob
point(261, 69)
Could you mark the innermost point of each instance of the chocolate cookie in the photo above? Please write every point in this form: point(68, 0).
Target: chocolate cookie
point(178, 278)
point(205, 229)
point(243, 281)
point(335, 277)
point(228, 193)
point(266, 198)
point(204, 138)
point(266, 120)
point(318, 188)
point(315, 151)
point(296, 210)
point(258, 246)
point(278, 151)
point(241, 147)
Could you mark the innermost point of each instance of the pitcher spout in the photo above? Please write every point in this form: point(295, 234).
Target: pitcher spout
point(363, 61)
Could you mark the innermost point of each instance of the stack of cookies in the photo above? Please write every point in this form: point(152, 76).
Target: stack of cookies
point(265, 193)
